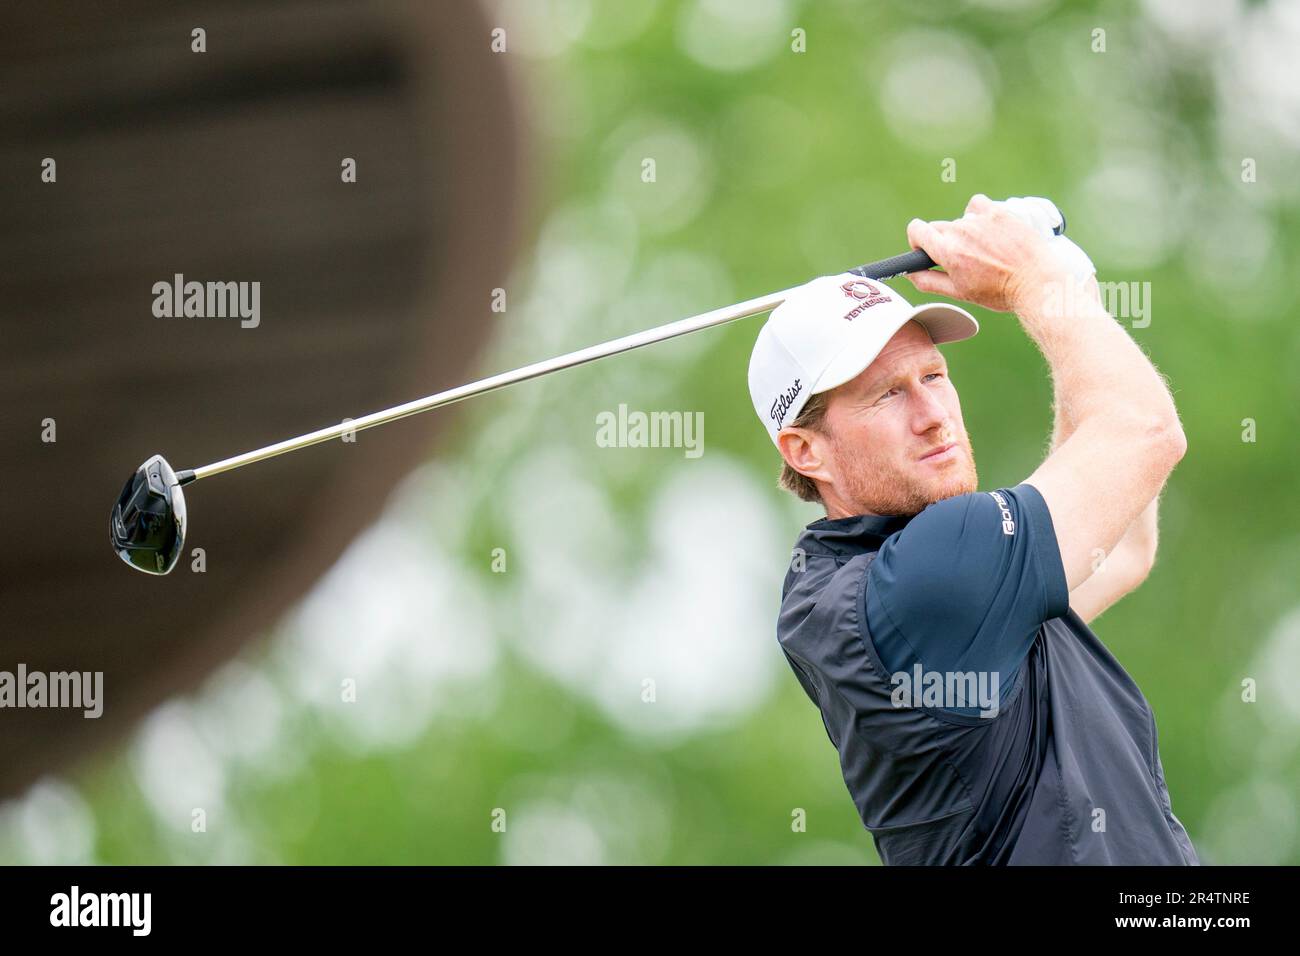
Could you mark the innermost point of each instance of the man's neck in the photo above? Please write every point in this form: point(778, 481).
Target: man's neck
point(836, 510)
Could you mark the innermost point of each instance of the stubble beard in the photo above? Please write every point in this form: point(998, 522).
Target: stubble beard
point(885, 489)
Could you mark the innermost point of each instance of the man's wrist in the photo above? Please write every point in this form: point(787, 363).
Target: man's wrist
point(1055, 294)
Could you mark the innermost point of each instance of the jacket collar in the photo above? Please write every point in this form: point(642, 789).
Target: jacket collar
point(853, 535)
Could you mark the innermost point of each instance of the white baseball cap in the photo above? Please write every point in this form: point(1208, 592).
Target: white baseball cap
point(826, 332)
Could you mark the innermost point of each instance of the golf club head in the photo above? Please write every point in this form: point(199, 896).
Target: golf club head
point(147, 526)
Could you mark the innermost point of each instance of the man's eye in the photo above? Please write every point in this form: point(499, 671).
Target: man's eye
point(935, 375)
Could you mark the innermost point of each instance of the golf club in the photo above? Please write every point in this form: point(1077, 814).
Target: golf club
point(147, 525)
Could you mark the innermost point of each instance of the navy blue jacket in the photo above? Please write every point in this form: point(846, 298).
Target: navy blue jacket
point(1055, 763)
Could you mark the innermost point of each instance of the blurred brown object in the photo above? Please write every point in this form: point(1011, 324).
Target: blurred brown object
point(225, 166)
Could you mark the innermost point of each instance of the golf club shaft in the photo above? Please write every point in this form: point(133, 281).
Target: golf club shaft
point(914, 261)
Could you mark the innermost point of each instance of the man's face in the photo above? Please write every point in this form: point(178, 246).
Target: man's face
point(893, 440)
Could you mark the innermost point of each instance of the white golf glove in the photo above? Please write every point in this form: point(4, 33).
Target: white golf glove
point(1043, 216)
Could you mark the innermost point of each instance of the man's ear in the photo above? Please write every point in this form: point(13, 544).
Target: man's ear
point(806, 451)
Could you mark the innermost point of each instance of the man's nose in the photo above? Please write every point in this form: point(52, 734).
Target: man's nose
point(930, 413)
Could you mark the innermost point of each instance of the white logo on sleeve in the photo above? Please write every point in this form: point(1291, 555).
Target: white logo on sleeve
point(1008, 524)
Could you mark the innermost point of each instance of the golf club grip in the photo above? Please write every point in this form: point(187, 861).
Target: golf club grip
point(914, 261)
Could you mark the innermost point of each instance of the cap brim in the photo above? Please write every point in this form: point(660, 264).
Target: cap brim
point(945, 323)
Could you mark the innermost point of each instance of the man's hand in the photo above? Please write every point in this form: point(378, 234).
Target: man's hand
point(990, 257)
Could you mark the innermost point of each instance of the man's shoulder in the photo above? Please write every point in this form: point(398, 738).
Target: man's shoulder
point(821, 592)
point(826, 553)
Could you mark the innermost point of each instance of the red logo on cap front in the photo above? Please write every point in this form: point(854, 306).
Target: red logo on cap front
point(860, 289)
point(867, 294)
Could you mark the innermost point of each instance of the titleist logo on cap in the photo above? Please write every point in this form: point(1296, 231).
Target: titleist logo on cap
point(783, 402)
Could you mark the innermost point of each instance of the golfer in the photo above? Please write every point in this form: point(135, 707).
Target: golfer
point(943, 632)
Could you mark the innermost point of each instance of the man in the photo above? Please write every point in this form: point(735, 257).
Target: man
point(943, 632)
